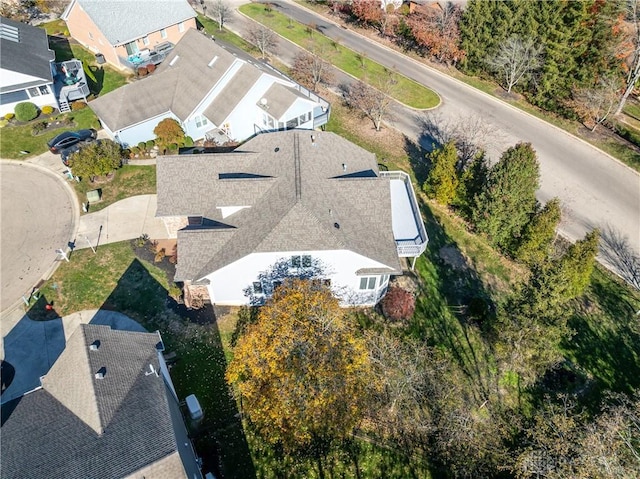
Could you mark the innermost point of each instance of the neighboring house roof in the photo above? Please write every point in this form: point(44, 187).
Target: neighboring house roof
point(79, 426)
point(182, 82)
point(123, 21)
point(25, 49)
point(296, 192)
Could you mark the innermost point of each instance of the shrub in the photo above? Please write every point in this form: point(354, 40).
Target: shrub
point(135, 150)
point(9, 116)
point(173, 146)
point(78, 105)
point(159, 256)
point(142, 145)
point(398, 304)
point(188, 141)
point(168, 131)
point(96, 159)
point(39, 127)
point(89, 72)
point(151, 68)
point(47, 110)
point(66, 33)
point(3, 123)
point(150, 144)
point(142, 71)
point(26, 111)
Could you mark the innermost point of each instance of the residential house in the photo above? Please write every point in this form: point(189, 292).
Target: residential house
point(286, 203)
point(26, 66)
point(124, 30)
point(107, 409)
point(215, 91)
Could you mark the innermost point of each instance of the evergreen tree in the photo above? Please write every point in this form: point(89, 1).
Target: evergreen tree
point(442, 181)
point(472, 180)
point(538, 235)
point(508, 199)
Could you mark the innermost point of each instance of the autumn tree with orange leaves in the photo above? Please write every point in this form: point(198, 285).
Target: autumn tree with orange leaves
point(303, 375)
point(436, 30)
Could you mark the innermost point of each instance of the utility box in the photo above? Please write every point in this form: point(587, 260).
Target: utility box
point(195, 411)
point(100, 59)
point(94, 196)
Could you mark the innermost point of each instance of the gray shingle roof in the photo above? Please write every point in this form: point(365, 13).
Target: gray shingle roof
point(180, 87)
point(78, 426)
point(30, 55)
point(279, 98)
point(307, 190)
point(122, 21)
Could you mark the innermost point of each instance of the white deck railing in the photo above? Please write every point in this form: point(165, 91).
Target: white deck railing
point(416, 246)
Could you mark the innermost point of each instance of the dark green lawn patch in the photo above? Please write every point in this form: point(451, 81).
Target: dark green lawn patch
point(211, 28)
point(55, 27)
point(406, 91)
point(17, 138)
point(606, 343)
point(129, 180)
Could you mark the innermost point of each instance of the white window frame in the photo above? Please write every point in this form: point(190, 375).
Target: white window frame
point(257, 287)
point(181, 27)
point(145, 41)
point(368, 283)
point(163, 33)
point(200, 121)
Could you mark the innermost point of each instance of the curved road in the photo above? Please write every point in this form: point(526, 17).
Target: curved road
point(38, 216)
point(595, 190)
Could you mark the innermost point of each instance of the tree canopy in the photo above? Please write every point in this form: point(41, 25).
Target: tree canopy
point(96, 159)
point(302, 373)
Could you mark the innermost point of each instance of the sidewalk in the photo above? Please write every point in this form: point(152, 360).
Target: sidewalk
point(127, 219)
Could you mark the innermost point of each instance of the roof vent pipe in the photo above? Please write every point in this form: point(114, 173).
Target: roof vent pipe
point(344, 167)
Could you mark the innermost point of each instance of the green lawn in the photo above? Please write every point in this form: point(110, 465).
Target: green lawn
point(211, 27)
point(130, 180)
point(406, 91)
point(17, 138)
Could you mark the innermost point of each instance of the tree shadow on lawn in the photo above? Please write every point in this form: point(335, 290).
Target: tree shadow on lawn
point(607, 341)
point(451, 308)
point(199, 368)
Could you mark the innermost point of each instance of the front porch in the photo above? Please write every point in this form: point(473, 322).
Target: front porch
point(408, 227)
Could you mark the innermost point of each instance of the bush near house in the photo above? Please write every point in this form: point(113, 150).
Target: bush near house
point(398, 304)
point(96, 159)
point(9, 116)
point(26, 111)
point(78, 105)
point(47, 110)
point(170, 134)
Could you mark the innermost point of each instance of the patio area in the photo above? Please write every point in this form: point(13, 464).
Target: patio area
point(70, 83)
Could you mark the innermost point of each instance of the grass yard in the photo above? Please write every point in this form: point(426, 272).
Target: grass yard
point(406, 91)
point(130, 180)
point(211, 27)
point(17, 138)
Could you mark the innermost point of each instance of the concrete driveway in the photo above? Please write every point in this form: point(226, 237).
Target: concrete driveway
point(32, 347)
point(38, 214)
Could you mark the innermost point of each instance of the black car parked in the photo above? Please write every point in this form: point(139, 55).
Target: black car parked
point(70, 138)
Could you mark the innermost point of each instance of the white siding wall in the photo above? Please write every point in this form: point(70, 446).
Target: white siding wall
point(133, 135)
point(227, 285)
point(301, 107)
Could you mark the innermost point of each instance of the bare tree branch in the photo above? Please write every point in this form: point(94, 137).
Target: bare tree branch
point(264, 39)
point(516, 58)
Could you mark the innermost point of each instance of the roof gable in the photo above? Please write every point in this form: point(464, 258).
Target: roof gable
point(304, 204)
point(46, 433)
point(123, 21)
point(25, 49)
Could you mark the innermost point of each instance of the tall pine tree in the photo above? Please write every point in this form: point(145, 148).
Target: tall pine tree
point(538, 235)
point(442, 181)
point(508, 200)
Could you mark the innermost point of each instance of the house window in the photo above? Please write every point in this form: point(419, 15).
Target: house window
point(163, 33)
point(13, 97)
point(368, 282)
point(276, 285)
point(34, 92)
point(44, 89)
point(296, 262)
point(181, 27)
point(201, 121)
point(302, 118)
point(306, 261)
point(132, 48)
point(257, 287)
point(145, 40)
point(281, 125)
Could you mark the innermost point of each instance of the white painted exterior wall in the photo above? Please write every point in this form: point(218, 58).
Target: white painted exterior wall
point(131, 136)
point(9, 78)
point(227, 285)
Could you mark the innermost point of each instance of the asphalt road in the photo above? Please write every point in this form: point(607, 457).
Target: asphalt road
point(37, 216)
point(595, 189)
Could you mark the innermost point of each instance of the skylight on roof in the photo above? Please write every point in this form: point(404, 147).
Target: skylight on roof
point(175, 59)
point(9, 32)
point(213, 60)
